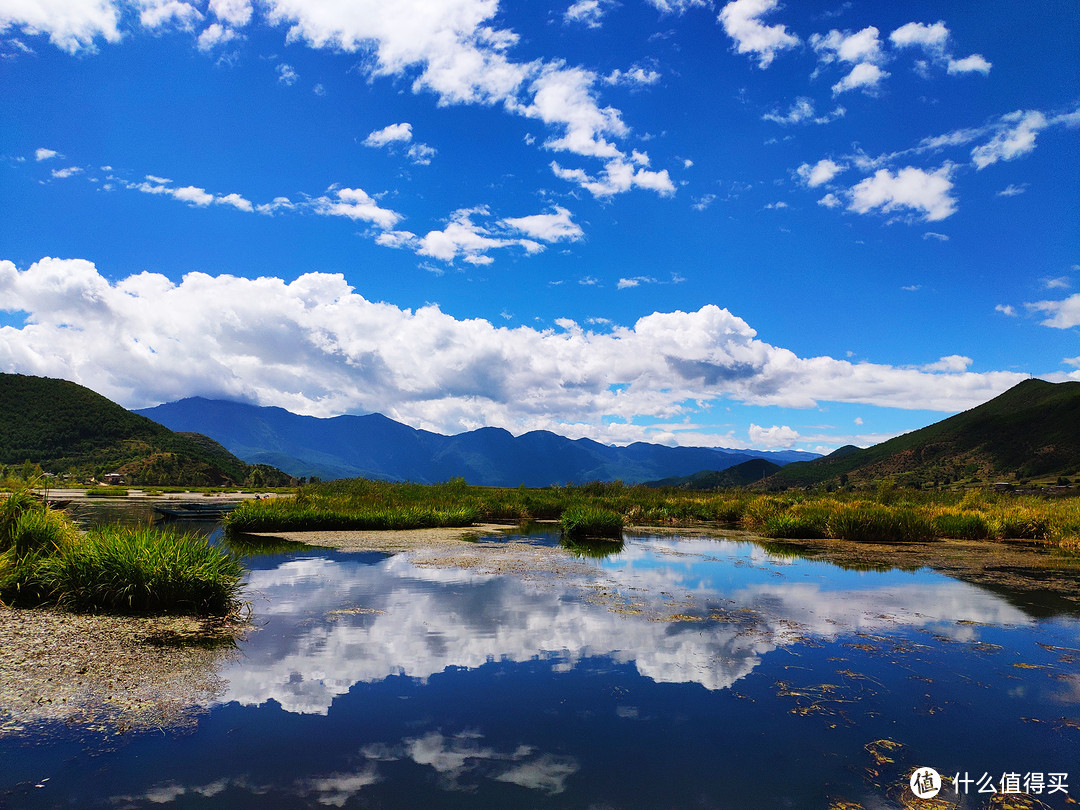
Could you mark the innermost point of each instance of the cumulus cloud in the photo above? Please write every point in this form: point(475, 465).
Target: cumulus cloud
point(1006, 309)
point(775, 436)
point(969, 64)
point(820, 173)
point(929, 37)
point(213, 35)
point(314, 345)
point(865, 76)
point(742, 22)
point(356, 204)
point(71, 25)
point(954, 362)
point(393, 133)
point(62, 174)
point(1060, 314)
point(933, 40)
point(862, 46)
point(926, 193)
point(236, 13)
point(154, 14)
point(44, 154)
point(471, 241)
point(548, 227)
point(1015, 137)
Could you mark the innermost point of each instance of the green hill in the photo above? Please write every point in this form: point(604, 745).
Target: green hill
point(69, 429)
point(740, 475)
point(1033, 429)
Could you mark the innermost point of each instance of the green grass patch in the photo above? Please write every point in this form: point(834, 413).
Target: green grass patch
point(581, 522)
point(107, 492)
point(45, 560)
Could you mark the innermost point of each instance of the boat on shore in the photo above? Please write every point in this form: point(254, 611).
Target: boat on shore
point(192, 510)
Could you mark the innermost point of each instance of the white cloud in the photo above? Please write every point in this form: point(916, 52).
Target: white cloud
point(1015, 137)
point(357, 204)
point(237, 13)
point(636, 76)
point(1062, 314)
point(287, 75)
point(775, 436)
point(154, 14)
point(421, 154)
point(71, 25)
point(469, 240)
point(236, 201)
point(1006, 309)
point(970, 64)
point(313, 345)
point(1059, 283)
point(934, 40)
point(1013, 190)
point(215, 34)
point(865, 76)
point(925, 192)
point(742, 22)
point(862, 46)
point(802, 111)
point(941, 237)
point(193, 195)
point(548, 227)
point(70, 171)
point(586, 12)
point(393, 133)
point(448, 47)
point(676, 6)
point(953, 363)
point(44, 154)
point(618, 176)
point(820, 173)
point(929, 37)
point(830, 200)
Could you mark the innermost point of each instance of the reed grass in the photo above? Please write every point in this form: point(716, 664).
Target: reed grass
point(582, 522)
point(888, 514)
point(45, 560)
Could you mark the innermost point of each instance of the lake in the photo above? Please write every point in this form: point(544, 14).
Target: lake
point(680, 671)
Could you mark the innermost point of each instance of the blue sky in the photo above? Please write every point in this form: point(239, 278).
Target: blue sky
point(751, 224)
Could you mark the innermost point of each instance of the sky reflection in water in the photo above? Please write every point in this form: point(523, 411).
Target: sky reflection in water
point(678, 672)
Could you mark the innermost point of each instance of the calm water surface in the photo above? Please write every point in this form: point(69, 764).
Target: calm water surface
point(679, 672)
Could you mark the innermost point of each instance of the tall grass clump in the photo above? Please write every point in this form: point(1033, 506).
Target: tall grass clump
point(873, 523)
point(580, 522)
point(962, 525)
point(140, 570)
point(45, 560)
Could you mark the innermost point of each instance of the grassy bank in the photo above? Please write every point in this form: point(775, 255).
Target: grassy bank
point(45, 560)
point(888, 515)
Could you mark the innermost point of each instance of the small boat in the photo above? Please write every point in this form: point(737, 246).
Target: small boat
point(189, 510)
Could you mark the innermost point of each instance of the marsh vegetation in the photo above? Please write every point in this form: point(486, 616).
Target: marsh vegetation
point(46, 560)
point(886, 514)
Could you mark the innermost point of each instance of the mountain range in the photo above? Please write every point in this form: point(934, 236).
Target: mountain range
point(375, 446)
